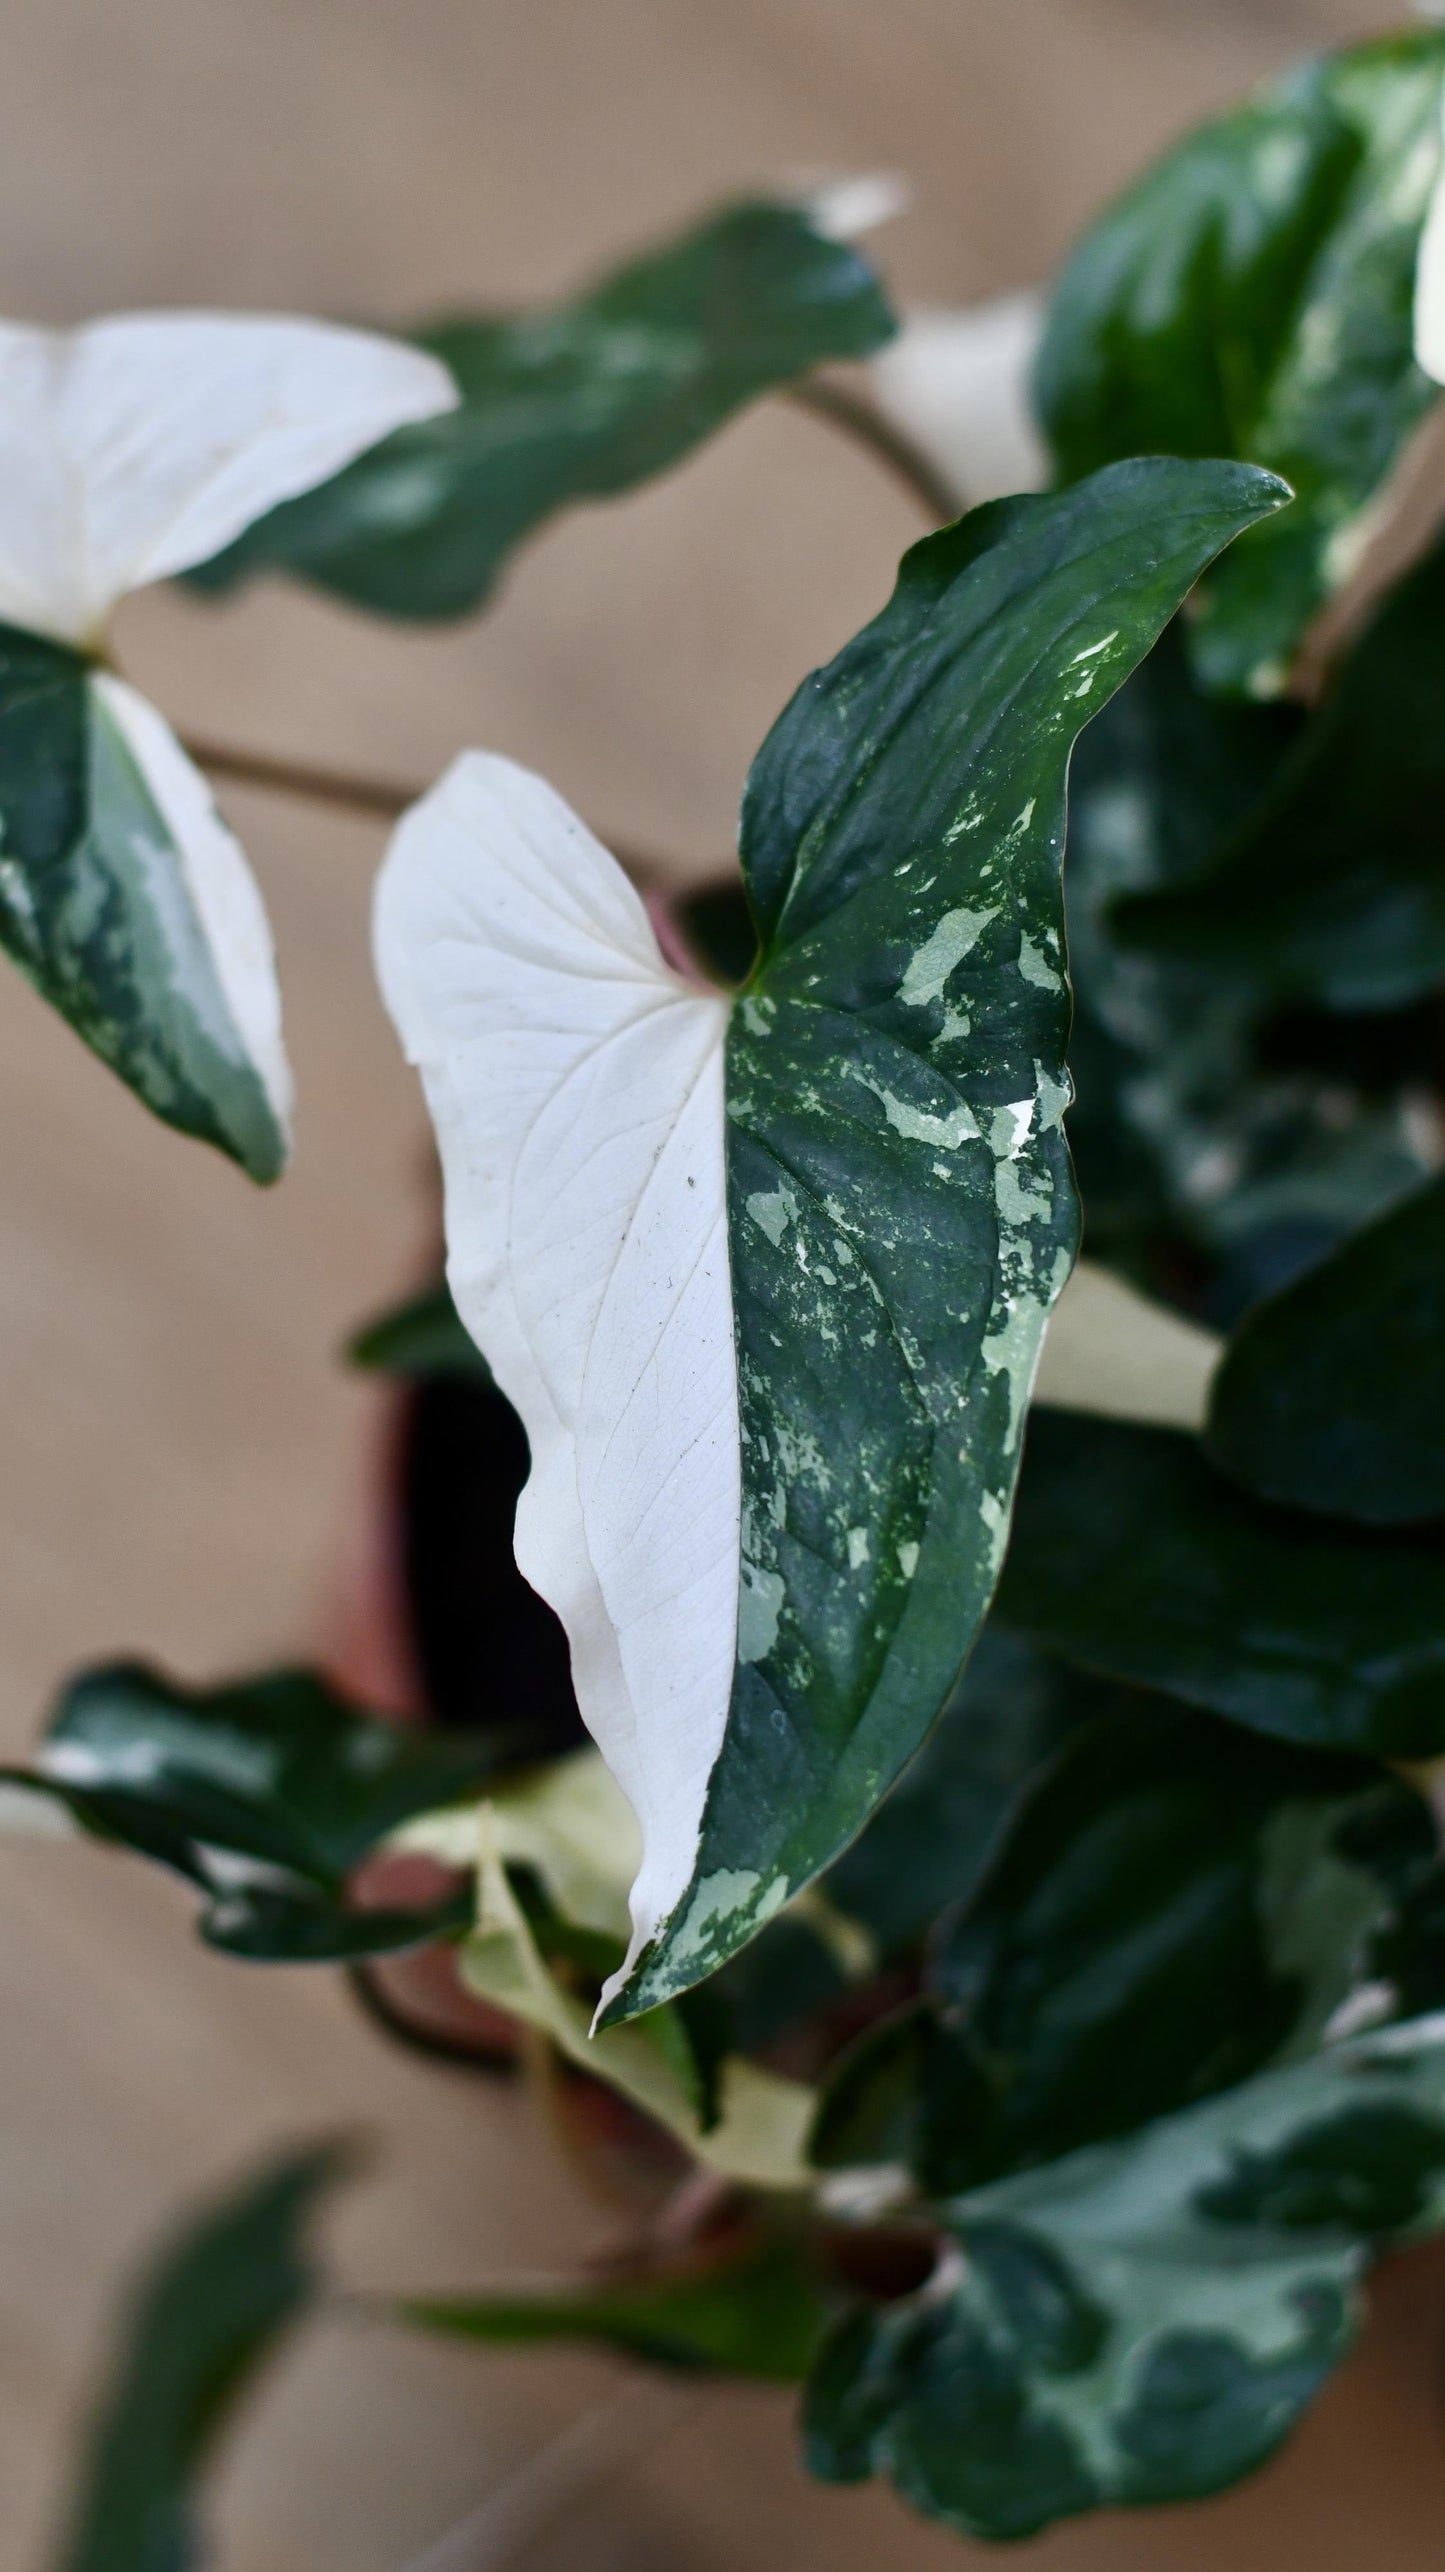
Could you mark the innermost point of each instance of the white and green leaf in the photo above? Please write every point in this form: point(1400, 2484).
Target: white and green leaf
point(129, 449)
point(1255, 294)
point(1143, 2321)
point(767, 1279)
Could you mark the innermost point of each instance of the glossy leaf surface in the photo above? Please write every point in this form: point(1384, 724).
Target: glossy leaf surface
point(1174, 1906)
point(901, 1214)
point(1143, 2321)
point(1131, 1555)
point(209, 2311)
point(1253, 295)
point(576, 403)
point(1332, 1395)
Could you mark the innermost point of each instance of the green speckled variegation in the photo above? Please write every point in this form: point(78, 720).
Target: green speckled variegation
point(900, 1208)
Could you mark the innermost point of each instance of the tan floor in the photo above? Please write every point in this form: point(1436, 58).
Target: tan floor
point(179, 1446)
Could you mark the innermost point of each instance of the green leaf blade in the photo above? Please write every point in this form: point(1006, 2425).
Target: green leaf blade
point(900, 1207)
point(1144, 2321)
point(211, 2309)
point(121, 919)
point(1331, 1396)
point(578, 403)
point(1252, 295)
point(757, 2310)
point(1132, 1557)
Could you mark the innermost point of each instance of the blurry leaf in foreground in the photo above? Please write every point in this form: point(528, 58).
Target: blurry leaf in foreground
point(755, 2309)
point(209, 2310)
point(577, 403)
point(425, 1336)
point(265, 1795)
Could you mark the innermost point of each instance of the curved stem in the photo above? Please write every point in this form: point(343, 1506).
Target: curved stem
point(372, 799)
point(858, 419)
point(383, 799)
point(377, 798)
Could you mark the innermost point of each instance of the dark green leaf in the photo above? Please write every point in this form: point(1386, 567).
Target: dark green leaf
point(926, 1846)
point(1131, 1556)
point(1176, 1905)
point(210, 2310)
point(576, 403)
point(1143, 2321)
point(278, 1768)
point(1201, 1160)
point(900, 1207)
point(98, 910)
point(1253, 296)
point(1334, 888)
point(271, 1924)
point(758, 2310)
point(264, 1795)
point(423, 1337)
point(1332, 1395)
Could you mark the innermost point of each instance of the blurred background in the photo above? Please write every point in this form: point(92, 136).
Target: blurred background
point(180, 1451)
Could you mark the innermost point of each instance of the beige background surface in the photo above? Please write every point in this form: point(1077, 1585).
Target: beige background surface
point(179, 1448)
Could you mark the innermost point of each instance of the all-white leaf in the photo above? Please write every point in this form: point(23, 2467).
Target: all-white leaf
point(957, 384)
point(576, 1086)
point(137, 445)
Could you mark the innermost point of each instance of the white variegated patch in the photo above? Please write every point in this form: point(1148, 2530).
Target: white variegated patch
point(576, 1086)
point(1430, 288)
point(218, 883)
point(958, 385)
point(138, 445)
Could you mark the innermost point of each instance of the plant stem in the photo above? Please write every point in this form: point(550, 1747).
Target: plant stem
point(377, 798)
point(382, 799)
point(858, 419)
point(372, 799)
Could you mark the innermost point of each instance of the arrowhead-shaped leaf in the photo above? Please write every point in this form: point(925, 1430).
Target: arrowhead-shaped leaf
point(1254, 296)
point(576, 403)
point(1143, 2321)
point(767, 1280)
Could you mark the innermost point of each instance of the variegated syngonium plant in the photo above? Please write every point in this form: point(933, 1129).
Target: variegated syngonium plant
point(766, 1276)
point(130, 449)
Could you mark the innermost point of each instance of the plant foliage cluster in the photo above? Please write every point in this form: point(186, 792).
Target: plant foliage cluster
point(1059, 2115)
